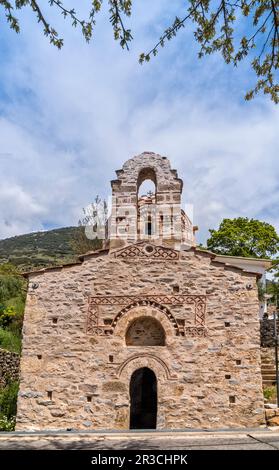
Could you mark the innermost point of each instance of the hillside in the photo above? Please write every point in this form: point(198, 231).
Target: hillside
point(40, 249)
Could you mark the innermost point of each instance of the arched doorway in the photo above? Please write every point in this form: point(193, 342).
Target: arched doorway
point(143, 399)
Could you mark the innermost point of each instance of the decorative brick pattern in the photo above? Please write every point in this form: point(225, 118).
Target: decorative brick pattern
point(143, 250)
point(156, 301)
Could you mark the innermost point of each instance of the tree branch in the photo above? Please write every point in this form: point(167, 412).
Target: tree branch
point(120, 32)
point(170, 32)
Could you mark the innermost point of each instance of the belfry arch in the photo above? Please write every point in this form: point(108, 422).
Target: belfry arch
point(146, 204)
point(147, 173)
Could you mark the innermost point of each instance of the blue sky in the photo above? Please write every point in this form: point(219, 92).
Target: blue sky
point(69, 118)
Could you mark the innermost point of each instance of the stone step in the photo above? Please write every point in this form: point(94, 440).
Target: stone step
point(269, 383)
point(268, 368)
point(269, 377)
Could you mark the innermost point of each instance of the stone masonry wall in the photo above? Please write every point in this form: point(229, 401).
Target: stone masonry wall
point(76, 366)
point(272, 416)
point(267, 332)
point(9, 367)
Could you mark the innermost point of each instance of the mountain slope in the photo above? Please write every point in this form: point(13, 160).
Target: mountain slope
point(40, 249)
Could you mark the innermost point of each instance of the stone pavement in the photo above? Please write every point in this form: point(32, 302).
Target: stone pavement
point(244, 439)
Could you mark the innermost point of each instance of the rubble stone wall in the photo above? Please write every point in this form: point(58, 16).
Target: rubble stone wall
point(267, 332)
point(9, 367)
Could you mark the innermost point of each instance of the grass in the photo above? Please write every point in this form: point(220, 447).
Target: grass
point(10, 341)
point(270, 393)
point(8, 403)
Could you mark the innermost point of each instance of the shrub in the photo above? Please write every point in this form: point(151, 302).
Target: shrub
point(15, 326)
point(269, 393)
point(7, 315)
point(7, 424)
point(10, 286)
point(8, 400)
point(12, 302)
point(10, 341)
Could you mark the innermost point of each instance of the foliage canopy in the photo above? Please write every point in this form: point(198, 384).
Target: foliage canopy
point(218, 27)
point(244, 237)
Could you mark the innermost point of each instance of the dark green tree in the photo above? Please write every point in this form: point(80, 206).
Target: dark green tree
point(218, 27)
point(275, 269)
point(244, 237)
point(273, 286)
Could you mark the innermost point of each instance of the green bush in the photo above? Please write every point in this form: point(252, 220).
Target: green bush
point(10, 286)
point(12, 300)
point(269, 393)
point(11, 316)
point(7, 316)
point(18, 303)
point(7, 424)
point(15, 326)
point(10, 341)
point(8, 401)
point(12, 297)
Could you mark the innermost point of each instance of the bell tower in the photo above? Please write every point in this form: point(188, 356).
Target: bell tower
point(155, 216)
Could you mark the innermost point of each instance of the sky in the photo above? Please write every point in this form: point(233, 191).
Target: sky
point(70, 118)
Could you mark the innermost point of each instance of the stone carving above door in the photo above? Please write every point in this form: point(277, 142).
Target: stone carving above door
point(98, 325)
point(147, 250)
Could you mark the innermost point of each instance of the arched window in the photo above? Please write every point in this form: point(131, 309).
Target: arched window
point(149, 226)
point(145, 331)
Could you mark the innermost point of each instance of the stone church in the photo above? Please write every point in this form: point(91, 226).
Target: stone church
point(151, 332)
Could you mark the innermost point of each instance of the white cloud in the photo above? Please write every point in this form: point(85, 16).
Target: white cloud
point(19, 210)
point(71, 117)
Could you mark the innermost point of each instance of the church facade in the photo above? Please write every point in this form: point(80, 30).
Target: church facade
point(150, 332)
